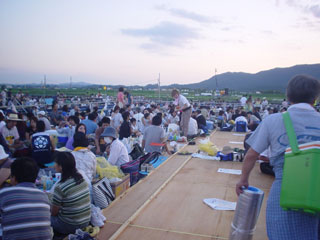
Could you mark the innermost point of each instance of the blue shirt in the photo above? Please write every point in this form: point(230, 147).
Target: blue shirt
point(91, 126)
point(25, 212)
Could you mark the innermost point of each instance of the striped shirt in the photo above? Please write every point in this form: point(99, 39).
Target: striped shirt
point(25, 212)
point(74, 202)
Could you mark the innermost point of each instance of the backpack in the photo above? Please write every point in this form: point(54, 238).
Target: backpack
point(149, 158)
point(241, 126)
point(136, 152)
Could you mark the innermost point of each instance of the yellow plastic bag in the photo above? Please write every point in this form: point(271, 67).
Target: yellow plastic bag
point(105, 169)
point(209, 148)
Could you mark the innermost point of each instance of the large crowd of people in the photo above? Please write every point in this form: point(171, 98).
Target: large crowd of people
point(29, 141)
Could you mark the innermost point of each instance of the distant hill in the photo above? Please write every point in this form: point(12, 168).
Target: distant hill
point(274, 79)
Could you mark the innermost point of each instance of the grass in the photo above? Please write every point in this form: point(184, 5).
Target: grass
point(149, 94)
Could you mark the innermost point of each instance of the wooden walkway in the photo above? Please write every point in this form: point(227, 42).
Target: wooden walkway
point(168, 203)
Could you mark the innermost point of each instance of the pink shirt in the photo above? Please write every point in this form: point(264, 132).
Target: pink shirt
point(120, 97)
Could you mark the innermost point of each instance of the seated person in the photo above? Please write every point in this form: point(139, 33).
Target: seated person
point(90, 123)
point(71, 204)
point(30, 208)
point(146, 120)
point(10, 132)
point(55, 116)
point(134, 128)
point(154, 135)
point(253, 121)
point(79, 128)
point(68, 127)
point(193, 128)
point(242, 118)
point(42, 145)
point(173, 117)
point(221, 120)
point(202, 123)
point(116, 118)
point(5, 164)
point(42, 117)
point(116, 150)
point(86, 161)
point(99, 142)
point(222, 123)
point(125, 129)
point(32, 128)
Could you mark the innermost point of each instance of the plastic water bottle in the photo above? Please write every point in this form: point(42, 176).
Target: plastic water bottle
point(175, 137)
point(50, 175)
point(49, 183)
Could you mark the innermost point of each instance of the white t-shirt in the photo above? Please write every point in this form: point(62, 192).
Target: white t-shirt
point(173, 119)
point(264, 103)
point(241, 119)
point(193, 127)
point(86, 162)
point(117, 120)
point(243, 101)
point(182, 100)
point(118, 153)
point(138, 117)
point(10, 135)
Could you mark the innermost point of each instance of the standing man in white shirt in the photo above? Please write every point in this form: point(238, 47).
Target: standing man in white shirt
point(243, 101)
point(183, 105)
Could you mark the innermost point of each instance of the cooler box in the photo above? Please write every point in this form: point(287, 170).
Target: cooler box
point(225, 157)
point(120, 187)
point(241, 126)
point(301, 179)
point(62, 140)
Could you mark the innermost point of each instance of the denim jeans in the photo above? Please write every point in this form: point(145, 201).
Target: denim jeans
point(64, 228)
point(203, 128)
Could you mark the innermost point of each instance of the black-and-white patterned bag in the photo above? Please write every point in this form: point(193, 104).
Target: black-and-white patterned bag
point(102, 193)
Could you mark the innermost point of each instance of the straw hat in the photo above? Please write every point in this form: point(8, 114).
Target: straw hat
point(3, 154)
point(13, 117)
point(226, 150)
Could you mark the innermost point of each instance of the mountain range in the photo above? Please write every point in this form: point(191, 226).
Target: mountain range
point(269, 80)
point(273, 79)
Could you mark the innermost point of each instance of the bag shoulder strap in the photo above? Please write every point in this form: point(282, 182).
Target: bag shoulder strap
point(290, 132)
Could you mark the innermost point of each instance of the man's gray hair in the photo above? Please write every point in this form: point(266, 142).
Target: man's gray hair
point(303, 89)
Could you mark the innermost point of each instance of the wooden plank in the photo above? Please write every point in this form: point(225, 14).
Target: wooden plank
point(126, 205)
point(177, 212)
point(141, 208)
point(180, 207)
point(221, 139)
point(134, 232)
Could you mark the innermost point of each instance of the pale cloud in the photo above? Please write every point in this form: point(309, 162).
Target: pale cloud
point(313, 7)
point(164, 34)
point(315, 10)
point(188, 14)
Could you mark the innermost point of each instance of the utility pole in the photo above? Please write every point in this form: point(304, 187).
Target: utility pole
point(70, 82)
point(159, 88)
point(45, 85)
point(215, 75)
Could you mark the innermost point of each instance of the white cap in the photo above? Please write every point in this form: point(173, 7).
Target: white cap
point(3, 154)
point(42, 113)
